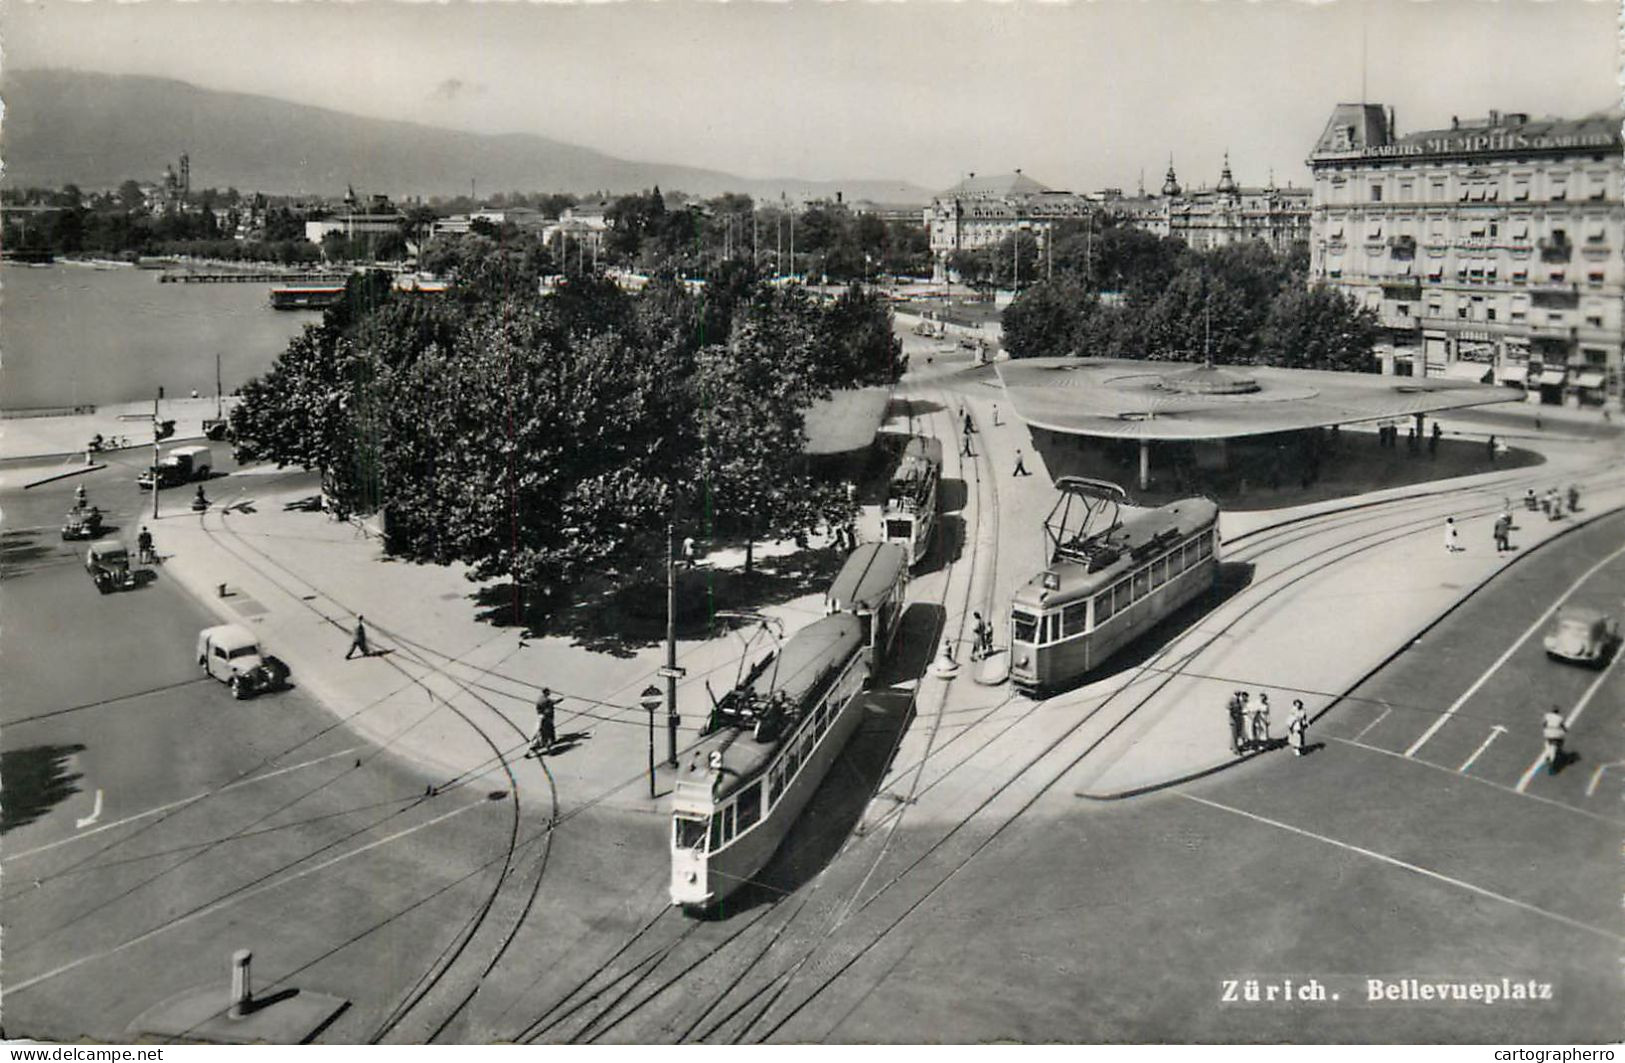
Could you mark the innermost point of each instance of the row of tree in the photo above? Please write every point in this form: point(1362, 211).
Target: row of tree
point(552, 438)
point(1120, 292)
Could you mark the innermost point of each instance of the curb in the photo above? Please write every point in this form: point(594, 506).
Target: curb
point(78, 471)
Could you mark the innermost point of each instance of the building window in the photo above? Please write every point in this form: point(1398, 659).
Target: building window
point(1438, 195)
point(1594, 277)
point(1376, 193)
point(1489, 314)
point(1599, 185)
point(1495, 229)
point(1560, 189)
point(1520, 189)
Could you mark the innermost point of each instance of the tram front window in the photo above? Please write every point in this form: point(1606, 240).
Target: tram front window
point(689, 833)
point(899, 529)
point(1024, 626)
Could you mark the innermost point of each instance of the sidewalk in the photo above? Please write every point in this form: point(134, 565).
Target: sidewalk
point(32, 438)
point(442, 689)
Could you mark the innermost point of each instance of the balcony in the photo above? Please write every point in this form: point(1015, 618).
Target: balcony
point(1555, 297)
point(1553, 251)
point(1402, 248)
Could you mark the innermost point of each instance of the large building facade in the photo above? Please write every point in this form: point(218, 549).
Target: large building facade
point(984, 211)
point(1490, 250)
point(1208, 218)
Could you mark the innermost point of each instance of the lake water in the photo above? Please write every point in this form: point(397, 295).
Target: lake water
point(74, 334)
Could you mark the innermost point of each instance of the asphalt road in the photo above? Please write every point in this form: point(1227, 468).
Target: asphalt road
point(152, 824)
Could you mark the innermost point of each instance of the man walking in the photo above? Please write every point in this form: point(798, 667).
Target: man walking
point(983, 633)
point(358, 638)
point(545, 737)
point(1297, 728)
point(1261, 721)
point(1555, 731)
point(1452, 541)
point(143, 546)
point(1021, 466)
point(1237, 739)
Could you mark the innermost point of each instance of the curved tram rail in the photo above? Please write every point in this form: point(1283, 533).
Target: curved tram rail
point(772, 738)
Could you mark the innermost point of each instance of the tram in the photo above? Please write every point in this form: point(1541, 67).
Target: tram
point(1109, 579)
point(770, 740)
point(910, 513)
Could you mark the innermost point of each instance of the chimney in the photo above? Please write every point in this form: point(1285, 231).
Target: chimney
point(1495, 118)
point(1455, 122)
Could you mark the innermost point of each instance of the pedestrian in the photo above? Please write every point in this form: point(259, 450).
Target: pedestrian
point(79, 497)
point(1237, 735)
point(1433, 440)
point(1245, 712)
point(981, 636)
point(1492, 448)
point(1503, 526)
point(964, 450)
point(1297, 728)
point(143, 545)
point(1452, 541)
point(688, 551)
point(996, 421)
point(969, 427)
point(358, 638)
point(1261, 721)
point(1410, 441)
point(546, 737)
point(1574, 498)
point(1554, 731)
point(1021, 467)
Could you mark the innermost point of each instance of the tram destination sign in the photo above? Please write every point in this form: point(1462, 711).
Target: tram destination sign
point(1488, 142)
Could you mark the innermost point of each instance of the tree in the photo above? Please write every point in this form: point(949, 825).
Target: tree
point(130, 196)
point(1047, 319)
point(1318, 328)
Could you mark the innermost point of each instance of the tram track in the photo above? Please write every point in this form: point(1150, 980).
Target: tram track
point(1378, 538)
point(650, 961)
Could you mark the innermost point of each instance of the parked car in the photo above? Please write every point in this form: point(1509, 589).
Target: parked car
point(108, 563)
point(231, 654)
point(1581, 635)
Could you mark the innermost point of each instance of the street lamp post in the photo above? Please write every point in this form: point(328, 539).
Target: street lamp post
point(671, 672)
point(650, 699)
point(155, 457)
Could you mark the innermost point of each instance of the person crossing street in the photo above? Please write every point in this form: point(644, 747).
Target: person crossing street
point(546, 736)
point(1555, 732)
point(358, 638)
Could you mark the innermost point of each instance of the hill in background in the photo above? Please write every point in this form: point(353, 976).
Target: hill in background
point(96, 130)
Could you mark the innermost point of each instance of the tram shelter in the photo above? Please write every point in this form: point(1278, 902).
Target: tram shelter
point(1196, 416)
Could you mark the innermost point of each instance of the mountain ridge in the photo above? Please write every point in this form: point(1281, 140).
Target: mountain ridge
point(138, 124)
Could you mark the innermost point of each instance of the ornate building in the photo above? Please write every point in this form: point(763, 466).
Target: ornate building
point(1227, 213)
point(1490, 250)
point(983, 211)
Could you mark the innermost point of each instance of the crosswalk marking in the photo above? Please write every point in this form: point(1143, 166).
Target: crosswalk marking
point(1444, 717)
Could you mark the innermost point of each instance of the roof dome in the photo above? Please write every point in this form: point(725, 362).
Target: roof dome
point(1206, 380)
point(1226, 183)
point(1170, 184)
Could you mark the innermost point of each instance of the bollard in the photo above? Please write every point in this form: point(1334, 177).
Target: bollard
point(242, 992)
point(88, 459)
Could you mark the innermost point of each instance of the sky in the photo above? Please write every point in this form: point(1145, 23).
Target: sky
point(1077, 95)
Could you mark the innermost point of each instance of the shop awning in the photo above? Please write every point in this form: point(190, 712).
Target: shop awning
point(1514, 374)
point(1550, 377)
point(1588, 378)
point(1477, 372)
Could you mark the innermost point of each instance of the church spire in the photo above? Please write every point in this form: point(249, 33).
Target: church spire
point(1170, 184)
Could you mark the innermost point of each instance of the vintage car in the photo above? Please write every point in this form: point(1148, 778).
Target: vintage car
point(109, 566)
point(1581, 635)
point(82, 523)
point(231, 654)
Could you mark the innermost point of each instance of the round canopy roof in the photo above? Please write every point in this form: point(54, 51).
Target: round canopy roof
point(1173, 400)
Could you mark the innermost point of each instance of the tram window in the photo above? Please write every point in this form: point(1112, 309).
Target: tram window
point(1142, 583)
point(716, 831)
point(1159, 572)
point(750, 805)
point(1192, 554)
point(1023, 626)
point(899, 529)
point(1205, 546)
point(1075, 618)
point(1176, 563)
point(868, 622)
point(1122, 597)
point(775, 783)
point(1103, 608)
point(688, 832)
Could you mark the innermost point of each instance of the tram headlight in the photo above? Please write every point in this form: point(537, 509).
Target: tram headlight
point(693, 877)
point(1024, 662)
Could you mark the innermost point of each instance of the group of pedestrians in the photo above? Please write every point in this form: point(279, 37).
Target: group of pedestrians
point(982, 636)
point(1250, 724)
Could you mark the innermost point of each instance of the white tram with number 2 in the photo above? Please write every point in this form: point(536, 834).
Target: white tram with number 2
point(772, 738)
point(1108, 581)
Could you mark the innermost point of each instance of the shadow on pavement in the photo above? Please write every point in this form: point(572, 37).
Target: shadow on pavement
point(952, 495)
point(32, 780)
point(947, 544)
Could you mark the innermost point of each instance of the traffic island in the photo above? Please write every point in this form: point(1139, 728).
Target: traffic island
point(210, 1014)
